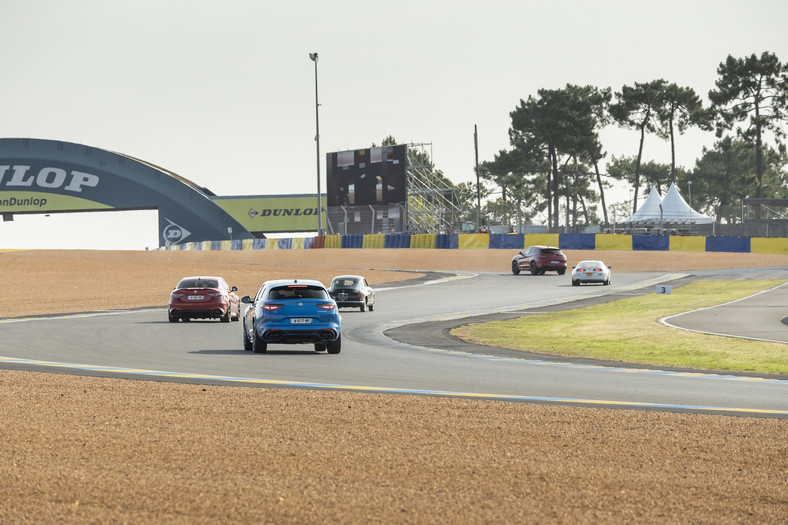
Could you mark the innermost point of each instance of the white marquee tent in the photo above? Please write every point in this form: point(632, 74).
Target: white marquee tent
point(648, 209)
point(671, 209)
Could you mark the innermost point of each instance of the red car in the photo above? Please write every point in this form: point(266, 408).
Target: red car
point(539, 259)
point(203, 298)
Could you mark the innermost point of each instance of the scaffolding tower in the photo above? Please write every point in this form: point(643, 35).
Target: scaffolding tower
point(432, 206)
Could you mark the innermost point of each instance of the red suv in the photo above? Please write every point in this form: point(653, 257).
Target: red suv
point(203, 298)
point(540, 259)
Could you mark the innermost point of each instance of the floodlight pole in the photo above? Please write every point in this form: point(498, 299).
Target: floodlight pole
point(478, 189)
point(313, 56)
point(689, 190)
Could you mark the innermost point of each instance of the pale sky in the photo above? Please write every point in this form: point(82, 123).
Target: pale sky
point(223, 93)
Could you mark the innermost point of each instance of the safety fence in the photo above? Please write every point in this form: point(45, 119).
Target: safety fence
point(510, 241)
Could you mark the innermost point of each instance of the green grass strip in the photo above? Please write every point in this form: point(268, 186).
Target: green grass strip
point(628, 330)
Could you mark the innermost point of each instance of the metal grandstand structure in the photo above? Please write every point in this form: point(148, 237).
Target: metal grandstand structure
point(432, 206)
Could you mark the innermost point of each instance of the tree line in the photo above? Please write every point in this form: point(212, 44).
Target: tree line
point(555, 154)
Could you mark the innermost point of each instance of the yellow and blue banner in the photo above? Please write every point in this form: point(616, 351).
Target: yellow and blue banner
point(509, 241)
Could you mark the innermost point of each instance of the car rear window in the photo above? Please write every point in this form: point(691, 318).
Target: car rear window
point(297, 292)
point(550, 251)
point(198, 283)
point(345, 283)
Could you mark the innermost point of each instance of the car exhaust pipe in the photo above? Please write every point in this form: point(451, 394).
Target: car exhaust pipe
point(327, 335)
point(272, 335)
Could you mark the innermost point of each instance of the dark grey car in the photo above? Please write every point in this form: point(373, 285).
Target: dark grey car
point(352, 291)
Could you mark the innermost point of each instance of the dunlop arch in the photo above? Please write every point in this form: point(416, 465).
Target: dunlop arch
point(49, 176)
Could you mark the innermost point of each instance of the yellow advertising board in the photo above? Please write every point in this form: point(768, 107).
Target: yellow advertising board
point(687, 244)
point(768, 245)
point(271, 214)
point(541, 239)
point(612, 241)
point(470, 241)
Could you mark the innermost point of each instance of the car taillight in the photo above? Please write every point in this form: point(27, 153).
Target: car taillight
point(597, 269)
point(215, 294)
point(326, 306)
point(173, 294)
point(271, 307)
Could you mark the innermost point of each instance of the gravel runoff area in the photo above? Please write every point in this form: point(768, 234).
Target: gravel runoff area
point(105, 450)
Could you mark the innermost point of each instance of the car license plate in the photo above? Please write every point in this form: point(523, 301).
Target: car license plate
point(589, 274)
point(300, 320)
point(196, 297)
point(555, 262)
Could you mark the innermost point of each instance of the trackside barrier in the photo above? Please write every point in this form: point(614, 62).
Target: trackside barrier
point(397, 240)
point(423, 240)
point(333, 241)
point(728, 244)
point(352, 241)
point(508, 241)
point(577, 241)
point(650, 242)
point(373, 241)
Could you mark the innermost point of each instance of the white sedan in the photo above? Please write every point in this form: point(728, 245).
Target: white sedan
point(590, 272)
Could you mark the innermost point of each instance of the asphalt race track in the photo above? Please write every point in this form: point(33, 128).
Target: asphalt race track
point(397, 348)
point(765, 319)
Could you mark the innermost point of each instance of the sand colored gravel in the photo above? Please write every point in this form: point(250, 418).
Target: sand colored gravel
point(105, 450)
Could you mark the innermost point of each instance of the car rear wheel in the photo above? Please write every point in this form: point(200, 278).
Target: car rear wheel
point(534, 269)
point(226, 317)
point(247, 342)
point(320, 347)
point(607, 281)
point(515, 268)
point(575, 283)
point(172, 318)
point(258, 345)
point(363, 305)
point(372, 306)
point(334, 347)
point(561, 272)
